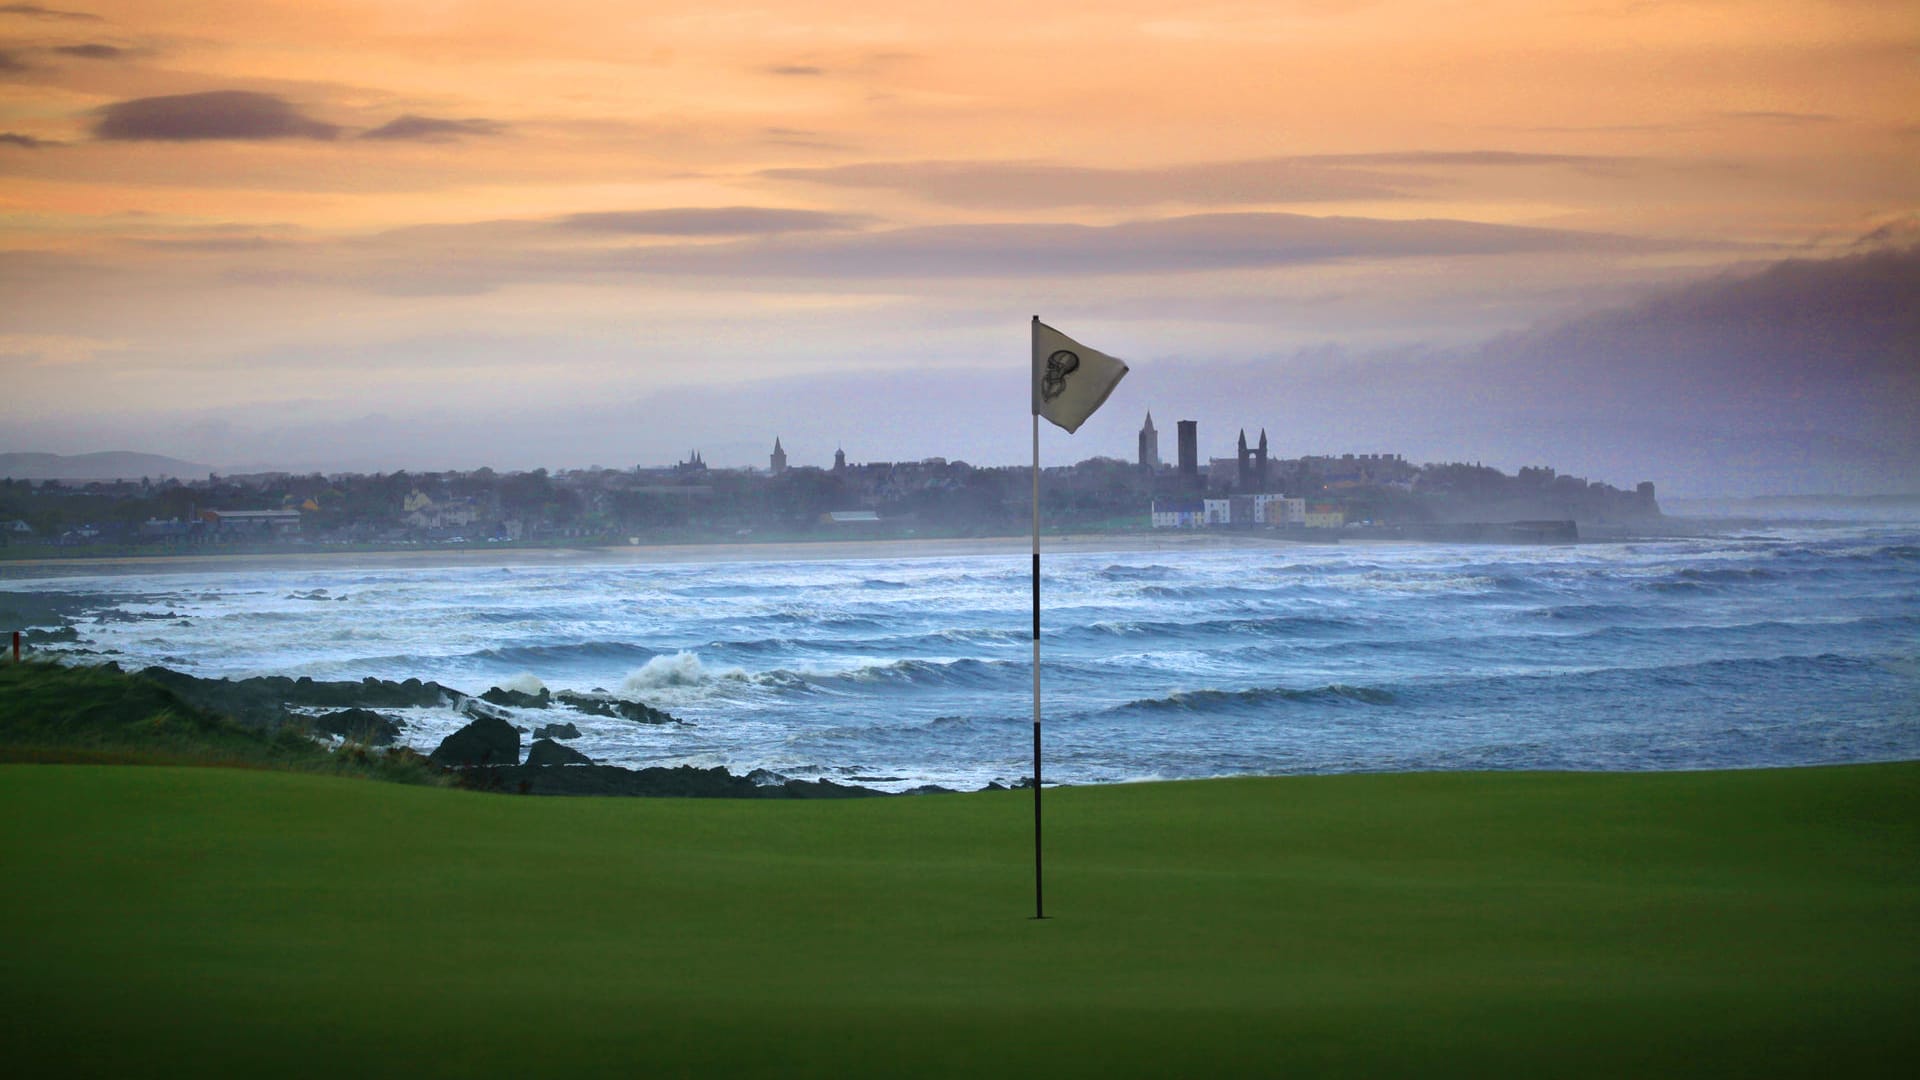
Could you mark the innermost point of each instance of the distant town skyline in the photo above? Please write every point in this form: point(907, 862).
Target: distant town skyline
point(347, 234)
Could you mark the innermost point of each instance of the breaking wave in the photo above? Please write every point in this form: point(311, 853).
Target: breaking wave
point(1219, 700)
point(678, 669)
point(1153, 572)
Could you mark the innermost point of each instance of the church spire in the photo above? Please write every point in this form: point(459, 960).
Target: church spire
point(1149, 445)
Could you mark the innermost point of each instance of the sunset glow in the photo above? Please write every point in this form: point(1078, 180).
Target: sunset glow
point(224, 218)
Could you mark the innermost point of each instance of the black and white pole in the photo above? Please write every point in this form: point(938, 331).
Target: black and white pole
point(1039, 906)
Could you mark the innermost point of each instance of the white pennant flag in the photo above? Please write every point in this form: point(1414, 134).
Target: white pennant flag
point(1070, 380)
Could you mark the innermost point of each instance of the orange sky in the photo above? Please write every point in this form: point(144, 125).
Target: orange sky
point(859, 167)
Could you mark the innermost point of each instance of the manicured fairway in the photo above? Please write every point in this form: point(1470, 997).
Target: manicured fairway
point(210, 920)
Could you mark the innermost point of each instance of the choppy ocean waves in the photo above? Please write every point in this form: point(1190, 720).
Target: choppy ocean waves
point(1291, 625)
point(1722, 682)
point(1763, 649)
point(1149, 572)
point(1255, 699)
point(687, 669)
point(550, 656)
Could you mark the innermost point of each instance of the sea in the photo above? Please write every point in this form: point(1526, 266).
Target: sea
point(1759, 647)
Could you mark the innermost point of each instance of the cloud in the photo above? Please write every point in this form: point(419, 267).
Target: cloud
point(214, 244)
point(1609, 129)
point(1796, 119)
point(761, 247)
point(91, 51)
point(1798, 376)
point(801, 138)
point(703, 221)
point(55, 349)
point(1775, 332)
point(1014, 185)
point(14, 138)
point(35, 11)
point(215, 114)
point(1034, 185)
point(802, 70)
point(1200, 242)
point(10, 62)
point(1901, 232)
point(433, 128)
point(1451, 158)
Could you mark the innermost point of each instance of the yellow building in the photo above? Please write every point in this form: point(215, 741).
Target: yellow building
point(1325, 516)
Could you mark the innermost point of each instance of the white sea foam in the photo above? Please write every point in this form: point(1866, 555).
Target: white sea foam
point(525, 683)
point(680, 669)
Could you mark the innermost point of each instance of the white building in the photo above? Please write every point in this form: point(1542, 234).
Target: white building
point(1279, 510)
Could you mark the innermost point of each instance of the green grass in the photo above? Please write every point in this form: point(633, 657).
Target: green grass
point(56, 713)
point(213, 920)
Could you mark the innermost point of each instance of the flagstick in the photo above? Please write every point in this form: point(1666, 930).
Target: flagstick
point(1039, 909)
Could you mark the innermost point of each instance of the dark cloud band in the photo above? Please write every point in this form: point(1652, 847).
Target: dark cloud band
point(216, 114)
point(1200, 242)
point(432, 129)
point(92, 50)
point(715, 221)
point(1013, 185)
point(35, 11)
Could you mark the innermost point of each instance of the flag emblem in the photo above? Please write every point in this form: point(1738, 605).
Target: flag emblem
point(1060, 365)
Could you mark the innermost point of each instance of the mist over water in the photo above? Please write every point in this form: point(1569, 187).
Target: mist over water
point(1786, 647)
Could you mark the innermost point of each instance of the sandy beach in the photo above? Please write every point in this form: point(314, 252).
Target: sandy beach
point(790, 551)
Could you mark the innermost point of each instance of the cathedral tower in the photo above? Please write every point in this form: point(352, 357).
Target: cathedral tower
point(1149, 445)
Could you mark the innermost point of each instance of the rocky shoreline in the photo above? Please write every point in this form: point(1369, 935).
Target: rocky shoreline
point(486, 753)
point(485, 756)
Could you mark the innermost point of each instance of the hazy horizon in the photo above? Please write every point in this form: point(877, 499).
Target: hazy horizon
point(1634, 242)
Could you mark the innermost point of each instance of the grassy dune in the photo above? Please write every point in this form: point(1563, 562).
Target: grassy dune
point(206, 920)
point(58, 714)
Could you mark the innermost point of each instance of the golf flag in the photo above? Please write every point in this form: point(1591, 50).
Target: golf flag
point(1070, 380)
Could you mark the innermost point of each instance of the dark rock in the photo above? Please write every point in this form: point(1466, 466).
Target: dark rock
point(488, 740)
point(518, 699)
point(359, 725)
point(262, 702)
point(556, 731)
point(548, 752)
point(683, 782)
point(617, 708)
point(482, 710)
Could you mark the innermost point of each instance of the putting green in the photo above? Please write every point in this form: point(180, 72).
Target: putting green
point(212, 920)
